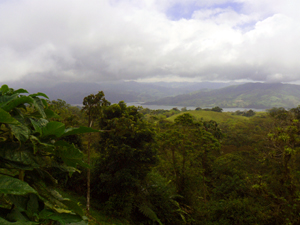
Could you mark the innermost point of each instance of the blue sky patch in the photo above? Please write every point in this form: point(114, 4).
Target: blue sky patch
point(233, 5)
point(182, 11)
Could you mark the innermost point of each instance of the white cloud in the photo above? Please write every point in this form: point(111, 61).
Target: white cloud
point(134, 39)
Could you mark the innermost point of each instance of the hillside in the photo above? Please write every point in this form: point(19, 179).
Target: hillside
point(250, 95)
point(74, 92)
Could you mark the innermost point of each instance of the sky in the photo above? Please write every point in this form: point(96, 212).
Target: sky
point(54, 41)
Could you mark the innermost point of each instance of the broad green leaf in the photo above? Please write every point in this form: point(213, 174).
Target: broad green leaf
point(37, 143)
point(32, 205)
point(21, 132)
point(40, 174)
point(45, 103)
point(9, 172)
point(16, 102)
point(20, 91)
point(74, 206)
point(6, 99)
point(50, 114)
point(15, 215)
point(54, 128)
point(5, 222)
point(3, 139)
point(39, 105)
point(80, 130)
point(17, 165)
point(39, 94)
point(4, 88)
point(69, 154)
point(13, 186)
point(38, 124)
point(19, 201)
point(52, 199)
point(64, 168)
point(24, 158)
point(5, 117)
point(64, 218)
point(37, 127)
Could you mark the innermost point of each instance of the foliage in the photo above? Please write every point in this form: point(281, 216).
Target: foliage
point(225, 117)
point(159, 114)
point(278, 113)
point(217, 109)
point(30, 145)
point(183, 109)
point(92, 106)
point(71, 117)
point(282, 159)
point(187, 150)
point(247, 113)
point(152, 166)
point(67, 114)
point(158, 196)
point(127, 153)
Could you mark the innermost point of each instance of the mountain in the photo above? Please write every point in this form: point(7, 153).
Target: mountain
point(73, 93)
point(249, 95)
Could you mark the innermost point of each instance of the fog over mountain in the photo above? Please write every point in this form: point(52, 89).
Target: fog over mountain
point(53, 41)
point(73, 93)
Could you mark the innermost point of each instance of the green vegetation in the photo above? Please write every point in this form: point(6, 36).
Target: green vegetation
point(250, 95)
point(168, 167)
point(30, 147)
point(225, 117)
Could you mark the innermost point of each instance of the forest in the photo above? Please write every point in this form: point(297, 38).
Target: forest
point(116, 164)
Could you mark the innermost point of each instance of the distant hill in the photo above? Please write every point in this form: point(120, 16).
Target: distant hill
point(249, 95)
point(73, 93)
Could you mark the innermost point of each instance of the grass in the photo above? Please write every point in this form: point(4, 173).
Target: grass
point(224, 117)
point(96, 217)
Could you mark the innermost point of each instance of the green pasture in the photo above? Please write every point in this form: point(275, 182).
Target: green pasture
point(223, 117)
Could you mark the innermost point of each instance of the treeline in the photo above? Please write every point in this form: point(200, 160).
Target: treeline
point(147, 169)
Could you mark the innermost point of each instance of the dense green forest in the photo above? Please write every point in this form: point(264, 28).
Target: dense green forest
point(117, 164)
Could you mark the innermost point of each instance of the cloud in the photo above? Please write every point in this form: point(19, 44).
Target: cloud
point(76, 40)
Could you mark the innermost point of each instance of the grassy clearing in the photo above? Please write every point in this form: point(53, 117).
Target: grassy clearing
point(224, 117)
point(96, 217)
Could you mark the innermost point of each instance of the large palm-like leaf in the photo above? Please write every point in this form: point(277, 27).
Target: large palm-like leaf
point(29, 146)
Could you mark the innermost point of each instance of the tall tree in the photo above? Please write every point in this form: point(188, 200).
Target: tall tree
point(127, 154)
point(92, 106)
point(186, 150)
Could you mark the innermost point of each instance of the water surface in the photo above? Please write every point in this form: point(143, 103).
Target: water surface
point(168, 107)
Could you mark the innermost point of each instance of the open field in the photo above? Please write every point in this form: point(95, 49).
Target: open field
point(224, 117)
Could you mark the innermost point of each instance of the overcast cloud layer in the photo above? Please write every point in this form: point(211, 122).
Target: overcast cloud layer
point(102, 40)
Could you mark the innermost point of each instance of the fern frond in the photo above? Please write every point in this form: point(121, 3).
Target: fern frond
point(148, 212)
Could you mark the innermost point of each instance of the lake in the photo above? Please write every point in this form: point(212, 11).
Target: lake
point(168, 107)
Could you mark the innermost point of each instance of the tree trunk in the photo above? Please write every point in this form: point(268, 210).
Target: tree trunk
point(88, 194)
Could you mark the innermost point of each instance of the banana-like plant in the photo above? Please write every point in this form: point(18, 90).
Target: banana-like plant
point(30, 146)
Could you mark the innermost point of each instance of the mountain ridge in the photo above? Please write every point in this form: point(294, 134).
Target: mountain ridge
point(249, 95)
point(128, 91)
